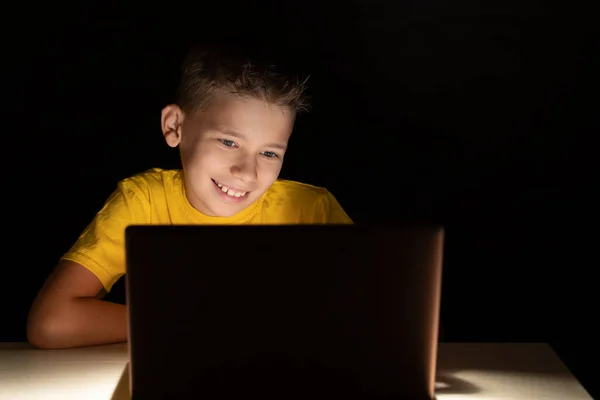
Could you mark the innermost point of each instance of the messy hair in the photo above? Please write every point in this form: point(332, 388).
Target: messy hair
point(209, 70)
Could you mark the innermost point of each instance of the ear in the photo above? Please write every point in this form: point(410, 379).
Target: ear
point(171, 121)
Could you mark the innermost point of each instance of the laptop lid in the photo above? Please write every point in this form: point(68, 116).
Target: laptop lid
point(283, 311)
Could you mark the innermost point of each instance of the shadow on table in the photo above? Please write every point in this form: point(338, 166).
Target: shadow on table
point(446, 383)
point(529, 358)
point(121, 391)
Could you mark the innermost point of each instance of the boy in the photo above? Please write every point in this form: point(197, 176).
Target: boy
point(231, 124)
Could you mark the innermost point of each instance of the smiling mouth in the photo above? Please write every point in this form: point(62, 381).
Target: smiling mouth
point(230, 191)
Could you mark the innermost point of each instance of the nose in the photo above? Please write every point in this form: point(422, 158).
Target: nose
point(245, 169)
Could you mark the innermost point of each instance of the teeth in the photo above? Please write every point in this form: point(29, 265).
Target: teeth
point(230, 192)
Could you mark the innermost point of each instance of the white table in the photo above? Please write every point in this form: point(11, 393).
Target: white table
point(486, 371)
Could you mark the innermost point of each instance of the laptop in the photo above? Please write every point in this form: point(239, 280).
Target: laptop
point(283, 312)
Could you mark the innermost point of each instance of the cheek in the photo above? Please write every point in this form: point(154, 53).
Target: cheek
point(198, 158)
point(269, 172)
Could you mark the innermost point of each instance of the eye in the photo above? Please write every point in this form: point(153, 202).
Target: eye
point(228, 143)
point(270, 154)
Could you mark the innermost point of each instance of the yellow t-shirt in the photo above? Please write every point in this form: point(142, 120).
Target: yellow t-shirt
point(157, 197)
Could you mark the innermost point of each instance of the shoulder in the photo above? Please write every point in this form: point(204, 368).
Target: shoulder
point(299, 187)
point(318, 202)
point(135, 196)
point(148, 181)
point(297, 191)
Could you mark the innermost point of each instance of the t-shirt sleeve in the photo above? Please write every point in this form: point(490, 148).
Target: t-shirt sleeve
point(333, 212)
point(101, 246)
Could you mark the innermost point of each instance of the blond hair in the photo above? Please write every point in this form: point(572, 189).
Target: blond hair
point(206, 71)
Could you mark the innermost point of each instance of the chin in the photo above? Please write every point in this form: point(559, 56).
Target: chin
point(222, 206)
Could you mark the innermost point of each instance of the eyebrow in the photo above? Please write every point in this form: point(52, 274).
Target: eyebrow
point(239, 135)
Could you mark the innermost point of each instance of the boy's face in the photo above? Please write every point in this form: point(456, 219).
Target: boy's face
point(231, 151)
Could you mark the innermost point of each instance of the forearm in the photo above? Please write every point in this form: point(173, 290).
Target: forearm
point(80, 322)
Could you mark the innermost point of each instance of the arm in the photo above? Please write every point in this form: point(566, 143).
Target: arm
point(68, 312)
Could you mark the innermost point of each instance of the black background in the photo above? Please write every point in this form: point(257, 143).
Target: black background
point(479, 116)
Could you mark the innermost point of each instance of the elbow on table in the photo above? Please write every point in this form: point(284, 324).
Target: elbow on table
point(46, 331)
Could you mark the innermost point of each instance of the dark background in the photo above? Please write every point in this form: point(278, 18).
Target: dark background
point(476, 116)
